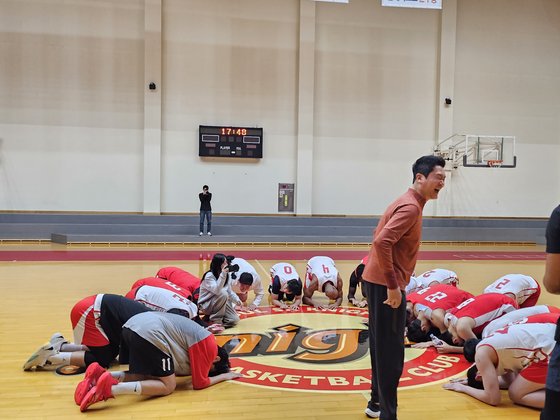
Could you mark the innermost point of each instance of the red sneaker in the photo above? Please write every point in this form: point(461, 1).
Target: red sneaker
point(100, 392)
point(93, 372)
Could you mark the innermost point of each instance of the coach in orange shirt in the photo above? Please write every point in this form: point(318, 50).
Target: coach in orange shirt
point(391, 261)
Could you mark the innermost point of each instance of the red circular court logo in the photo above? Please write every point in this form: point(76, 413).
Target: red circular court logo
point(320, 350)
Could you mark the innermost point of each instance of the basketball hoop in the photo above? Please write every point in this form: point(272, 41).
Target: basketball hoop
point(494, 163)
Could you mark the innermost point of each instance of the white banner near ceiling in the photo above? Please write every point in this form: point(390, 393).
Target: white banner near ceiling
point(418, 4)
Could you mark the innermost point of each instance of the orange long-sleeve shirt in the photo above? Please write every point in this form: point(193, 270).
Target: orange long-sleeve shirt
point(396, 241)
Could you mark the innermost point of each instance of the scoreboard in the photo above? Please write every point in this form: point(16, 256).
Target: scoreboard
point(236, 142)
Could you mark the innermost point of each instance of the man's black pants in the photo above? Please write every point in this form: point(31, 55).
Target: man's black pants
point(386, 347)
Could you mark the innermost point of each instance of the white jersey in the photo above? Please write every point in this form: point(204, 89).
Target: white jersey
point(163, 300)
point(413, 286)
point(324, 269)
point(438, 275)
point(285, 272)
point(519, 345)
point(520, 285)
point(245, 267)
point(515, 316)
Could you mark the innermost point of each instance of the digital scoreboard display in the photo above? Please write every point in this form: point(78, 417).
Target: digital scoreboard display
point(237, 142)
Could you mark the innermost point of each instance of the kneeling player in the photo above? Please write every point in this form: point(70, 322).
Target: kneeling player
point(521, 288)
point(517, 317)
point(97, 322)
point(164, 296)
point(355, 282)
point(161, 347)
point(514, 357)
point(432, 278)
point(322, 275)
point(243, 281)
point(468, 319)
point(285, 286)
point(429, 307)
point(181, 278)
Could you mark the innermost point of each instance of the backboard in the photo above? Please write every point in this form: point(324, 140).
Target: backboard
point(489, 151)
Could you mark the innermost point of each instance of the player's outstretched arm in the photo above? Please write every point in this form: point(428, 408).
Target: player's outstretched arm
point(491, 392)
point(308, 293)
point(224, 377)
point(338, 300)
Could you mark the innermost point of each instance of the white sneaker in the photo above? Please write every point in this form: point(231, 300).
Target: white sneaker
point(40, 357)
point(372, 410)
point(200, 234)
point(57, 340)
point(209, 233)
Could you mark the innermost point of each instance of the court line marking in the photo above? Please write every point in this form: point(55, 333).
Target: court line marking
point(266, 274)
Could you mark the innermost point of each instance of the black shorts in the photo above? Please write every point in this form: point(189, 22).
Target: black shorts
point(103, 355)
point(145, 358)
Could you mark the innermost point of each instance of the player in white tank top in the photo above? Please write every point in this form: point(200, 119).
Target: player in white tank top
point(437, 276)
point(518, 354)
point(283, 278)
point(322, 275)
point(163, 300)
point(523, 289)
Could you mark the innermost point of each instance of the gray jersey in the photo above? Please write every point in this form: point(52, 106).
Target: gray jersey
point(172, 334)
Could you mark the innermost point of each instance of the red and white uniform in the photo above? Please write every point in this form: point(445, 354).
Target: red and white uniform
point(86, 322)
point(523, 348)
point(439, 296)
point(180, 277)
point(414, 285)
point(162, 295)
point(517, 316)
point(324, 269)
point(438, 275)
point(435, 276)
point(525, 289)
point(285, 272)
point(483, 309)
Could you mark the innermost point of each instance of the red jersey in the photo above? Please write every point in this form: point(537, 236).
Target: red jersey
point(550, 318)
point(439, 296)
point(483, 309)
point(180, 277)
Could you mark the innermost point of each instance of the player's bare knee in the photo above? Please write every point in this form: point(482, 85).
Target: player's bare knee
point(169, 387)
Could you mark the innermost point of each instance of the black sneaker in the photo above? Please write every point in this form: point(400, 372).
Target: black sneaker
point(372, 410)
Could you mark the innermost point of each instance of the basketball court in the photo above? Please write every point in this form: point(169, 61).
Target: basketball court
point(115, 112)
point(308, 364)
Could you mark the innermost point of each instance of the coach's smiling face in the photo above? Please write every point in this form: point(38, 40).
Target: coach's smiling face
point(430, 186)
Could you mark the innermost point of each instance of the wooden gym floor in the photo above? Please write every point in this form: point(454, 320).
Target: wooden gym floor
point(41, 283)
